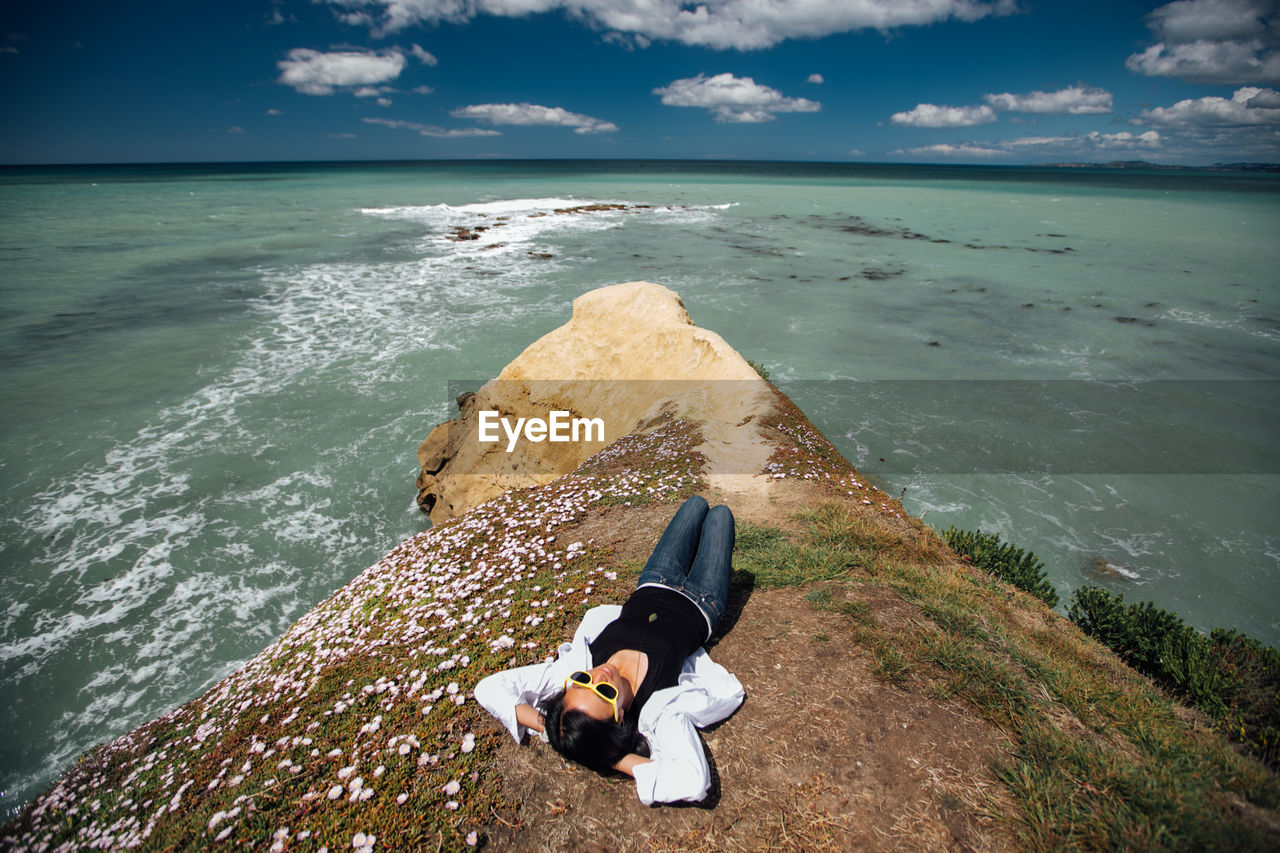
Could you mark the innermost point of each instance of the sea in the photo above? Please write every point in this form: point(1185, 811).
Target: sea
point(213, 378)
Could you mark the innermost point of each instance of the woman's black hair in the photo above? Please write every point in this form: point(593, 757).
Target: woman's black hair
point(597, 744)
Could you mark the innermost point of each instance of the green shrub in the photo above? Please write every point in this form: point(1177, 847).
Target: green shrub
point(1254, 715)
point(760, 369)
point(1232, 677)
point(1004, 560)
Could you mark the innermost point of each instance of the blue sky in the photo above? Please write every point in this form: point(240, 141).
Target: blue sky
point(963, 81)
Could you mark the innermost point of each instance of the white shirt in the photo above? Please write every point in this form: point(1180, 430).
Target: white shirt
point(705, 693)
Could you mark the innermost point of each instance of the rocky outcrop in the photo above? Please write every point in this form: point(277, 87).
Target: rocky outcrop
point(898, 697)
point(628, 354)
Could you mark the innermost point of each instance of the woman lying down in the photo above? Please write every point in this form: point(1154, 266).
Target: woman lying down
point(634, 685)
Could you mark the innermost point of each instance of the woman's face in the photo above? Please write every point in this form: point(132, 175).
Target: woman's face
point(578, 698)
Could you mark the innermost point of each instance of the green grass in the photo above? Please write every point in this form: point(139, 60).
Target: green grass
point(1100, 758)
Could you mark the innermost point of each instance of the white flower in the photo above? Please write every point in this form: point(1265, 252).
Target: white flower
point(472, 839)
point(468, 743)
point(451, 787)
point(335, 792)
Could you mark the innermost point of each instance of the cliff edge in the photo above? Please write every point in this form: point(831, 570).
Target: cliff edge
point(897, 697)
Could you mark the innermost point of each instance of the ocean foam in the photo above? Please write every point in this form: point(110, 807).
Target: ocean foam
point(515, 226)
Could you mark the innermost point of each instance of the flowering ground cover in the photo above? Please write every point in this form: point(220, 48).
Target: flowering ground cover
point(357, 728)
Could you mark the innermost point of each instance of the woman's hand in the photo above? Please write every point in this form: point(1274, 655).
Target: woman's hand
point(627, 763)
point(528, 716)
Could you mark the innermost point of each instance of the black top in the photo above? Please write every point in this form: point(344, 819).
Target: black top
point(663, 624)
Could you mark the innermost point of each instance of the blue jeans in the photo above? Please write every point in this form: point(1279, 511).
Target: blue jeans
point(694, 556)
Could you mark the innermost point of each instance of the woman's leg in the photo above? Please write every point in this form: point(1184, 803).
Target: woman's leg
point(708, 580)
point(671, 559)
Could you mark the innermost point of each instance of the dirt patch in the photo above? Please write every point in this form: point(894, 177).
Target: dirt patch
point(822, 755)
point(628, 532)
point(764, 501)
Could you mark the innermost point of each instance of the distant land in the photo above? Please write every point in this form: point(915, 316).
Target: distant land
point(1143, 164)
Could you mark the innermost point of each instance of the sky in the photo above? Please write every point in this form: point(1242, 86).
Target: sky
point(931, 81)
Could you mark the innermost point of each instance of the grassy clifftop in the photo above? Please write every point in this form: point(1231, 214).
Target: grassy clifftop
point(897, 696)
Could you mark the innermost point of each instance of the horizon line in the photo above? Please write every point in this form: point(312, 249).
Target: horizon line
point(1114, 165)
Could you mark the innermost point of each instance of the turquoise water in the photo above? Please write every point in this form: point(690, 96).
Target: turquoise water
point(215, 378)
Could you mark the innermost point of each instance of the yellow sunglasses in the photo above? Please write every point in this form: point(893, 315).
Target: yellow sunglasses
point(603, 689)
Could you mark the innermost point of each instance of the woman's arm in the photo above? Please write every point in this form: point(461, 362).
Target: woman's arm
point(528, 716)
point(627, 763)
point(505, 693)
point(678, 769)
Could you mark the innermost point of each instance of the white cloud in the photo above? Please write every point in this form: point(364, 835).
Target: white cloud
point(1229, 42)
point(1212, 20)
point(1073, 100)
point(1249, 106)
point(947, 150)
point(931, 115)
point(1123, 140)
point(733, 99)
point(1074, 145)
point(314, 73)
point(432, 130)
point(1266, 98)
point(424, 57)
point(534, 115)
point(1227, 63)
point(1245, 126)
point(816, 79)
point(722, 24)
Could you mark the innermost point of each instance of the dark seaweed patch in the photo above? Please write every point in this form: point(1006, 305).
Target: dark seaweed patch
point(1046, 250)
point(858, 225)
point(875, 274)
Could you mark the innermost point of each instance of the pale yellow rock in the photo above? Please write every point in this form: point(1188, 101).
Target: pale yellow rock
point(628, 353)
